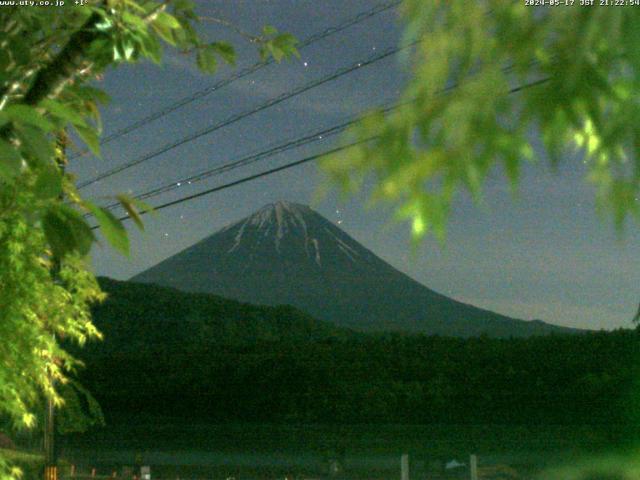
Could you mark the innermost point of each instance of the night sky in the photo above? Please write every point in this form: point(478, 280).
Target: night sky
point(545, 255)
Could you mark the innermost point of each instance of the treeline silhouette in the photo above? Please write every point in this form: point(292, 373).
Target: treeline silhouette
point(199, 356)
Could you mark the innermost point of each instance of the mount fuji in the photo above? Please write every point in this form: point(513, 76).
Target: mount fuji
point(287, 253)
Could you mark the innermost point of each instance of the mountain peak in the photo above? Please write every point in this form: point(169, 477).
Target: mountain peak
point(287, 206)
point(282, 213)
point(276, 220)
point(288, 254)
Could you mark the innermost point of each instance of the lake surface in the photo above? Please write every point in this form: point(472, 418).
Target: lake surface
point(179, 449)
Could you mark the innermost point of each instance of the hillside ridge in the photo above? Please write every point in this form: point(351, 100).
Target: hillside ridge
point(287, 253)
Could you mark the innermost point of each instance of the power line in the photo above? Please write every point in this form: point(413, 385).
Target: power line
point(250, 177)
point(306, 159)
point(285, 96)
point(280, 148)
point(252, 158)
point(255, 157)
point(359, 18)
point(237, 117)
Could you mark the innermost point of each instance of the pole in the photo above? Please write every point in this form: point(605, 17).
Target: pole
point(50, 464)
point(50, 454)
point(473, 467)
point(404, 467)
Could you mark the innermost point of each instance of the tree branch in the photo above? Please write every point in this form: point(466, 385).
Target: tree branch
point(51, 79)
point(252, 38)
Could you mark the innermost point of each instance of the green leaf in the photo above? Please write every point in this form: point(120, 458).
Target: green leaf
point(264, 53)
point(30, 116)
point(167, 20)
point(10, 161)
point(90, 137)
point(152, 49)
point(91, 93)
point(287, 44)
point(81, 411)
point(4, 119)
point(269, 30)
point(134, 20)
point(225, 50)
point(150, 7)
point(206, 61)
point(117, 53)
point(36, 144)
point(66, 231)
point(184, 5)
point(19, 50)
point(104, 24)
point(5, 59)
point(631, 25)
point(276, 53)
point(49, 183)
point(133, 206)
point(129, 49)
point(111, 227)
point(63, 112)
point(164, 33)
point(101, 51)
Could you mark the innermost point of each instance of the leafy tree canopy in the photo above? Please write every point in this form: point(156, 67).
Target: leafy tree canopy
point(49, 59)
point(487, 77)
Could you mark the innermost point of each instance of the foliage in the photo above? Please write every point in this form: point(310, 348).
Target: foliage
point(30, 464)
point(81, 410)
point(266, 364)
point(487, 79)
point(49, 59)
point(211, 320)
point(35, 307)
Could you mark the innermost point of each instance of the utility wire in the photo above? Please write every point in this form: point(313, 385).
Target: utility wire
point(252, 158)
point(354, 20)
point(237, 117)
point(250, 178)
point(359, 18)
point(279, 148)
point(298, 162)
point(309, 138)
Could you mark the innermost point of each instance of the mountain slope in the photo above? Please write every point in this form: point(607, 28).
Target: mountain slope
point(287, 253)
point(138, 317)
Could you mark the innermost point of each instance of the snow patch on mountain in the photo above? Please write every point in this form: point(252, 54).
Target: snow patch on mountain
point(285, 220)
point(237, 238)
point(316, 244)
point(349, 251)
point(278, 219)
